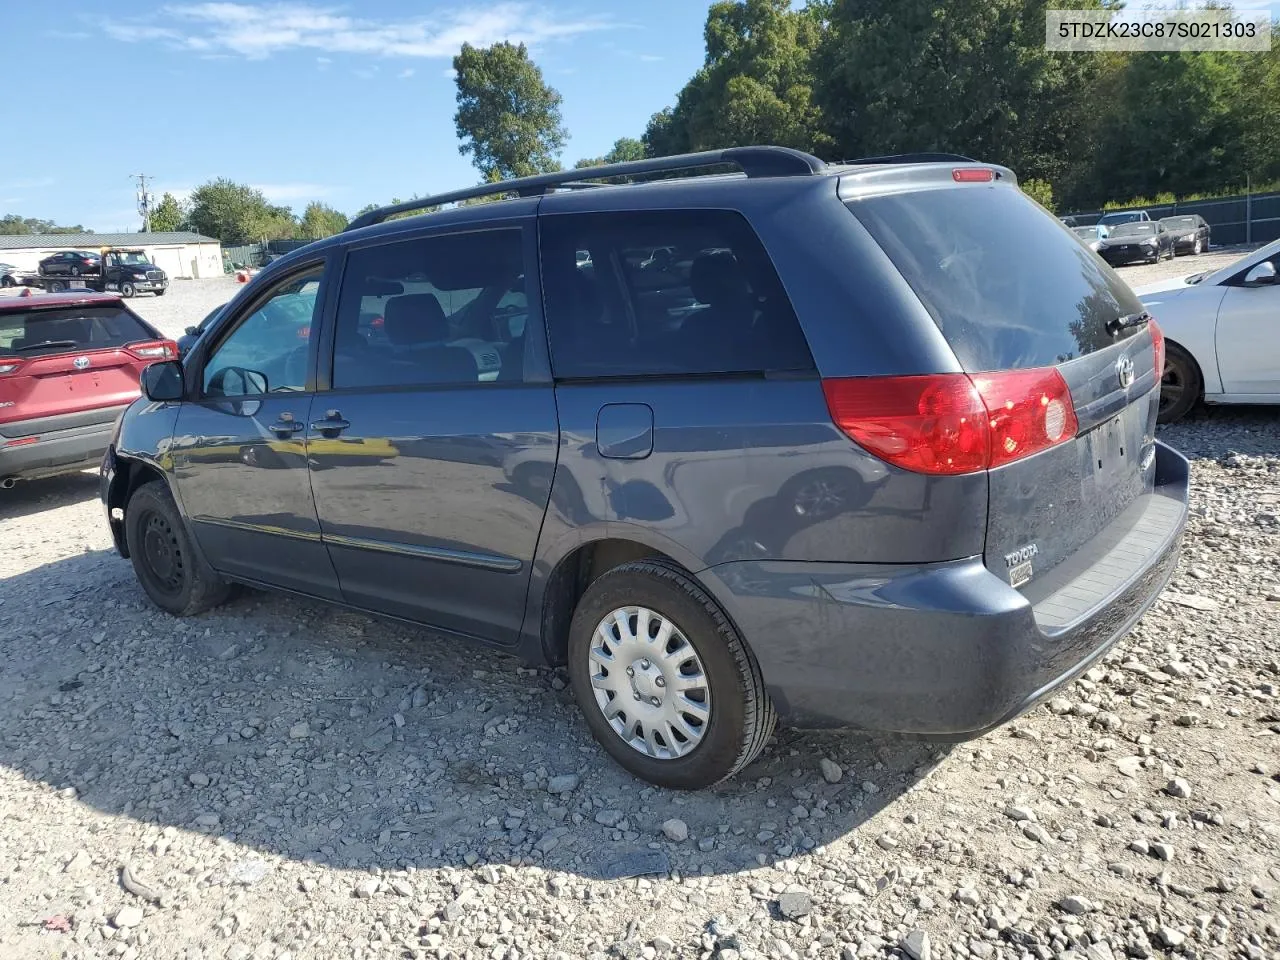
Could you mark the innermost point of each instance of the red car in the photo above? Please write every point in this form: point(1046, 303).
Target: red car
point(69, 365)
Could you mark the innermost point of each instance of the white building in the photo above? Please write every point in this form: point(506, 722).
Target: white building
point(180, 255)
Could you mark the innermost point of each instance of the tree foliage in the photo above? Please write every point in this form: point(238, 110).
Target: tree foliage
point(508, 118)
point(755, 85)
point(237, 213)
point(320, 220)
point(14, 224)
point(623, 150)
point(168, 215)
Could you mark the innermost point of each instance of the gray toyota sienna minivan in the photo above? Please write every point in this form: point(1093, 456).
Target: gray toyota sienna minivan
point(868, 445)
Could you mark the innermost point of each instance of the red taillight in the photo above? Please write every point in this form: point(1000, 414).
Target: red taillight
point(931, 424)
point(1157, 342)
point(951, 423)
point(154, 350)
point(1030, 410)
point(8, 365)
point(972, 175)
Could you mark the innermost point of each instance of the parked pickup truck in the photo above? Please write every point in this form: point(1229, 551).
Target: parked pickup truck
point(127, 272)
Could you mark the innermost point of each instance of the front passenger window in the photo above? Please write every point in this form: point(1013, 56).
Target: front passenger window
point(268, 351)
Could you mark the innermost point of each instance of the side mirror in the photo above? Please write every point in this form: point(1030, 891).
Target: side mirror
point(162, 382)
point(1261, 274)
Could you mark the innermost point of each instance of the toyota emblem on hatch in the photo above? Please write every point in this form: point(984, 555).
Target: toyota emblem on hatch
point(1124, 371)
point(81, 363)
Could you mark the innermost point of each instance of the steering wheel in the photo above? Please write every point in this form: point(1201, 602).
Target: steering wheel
point(295, 368)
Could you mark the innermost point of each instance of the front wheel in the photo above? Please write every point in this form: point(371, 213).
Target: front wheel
point(161, 293)
point(173, 575)
point(127, 289)
point(1198, 248)
point(1180, 386)
point(665, 683)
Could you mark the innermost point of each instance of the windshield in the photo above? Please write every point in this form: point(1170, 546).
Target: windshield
point(135, 256)
point(1111, 218)
point(35, 332)
point(1007, 287)
point(1179, 223)
point(1134, 230)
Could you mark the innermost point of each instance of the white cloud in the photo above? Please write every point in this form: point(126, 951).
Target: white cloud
point(406, 73)
point(256, 31)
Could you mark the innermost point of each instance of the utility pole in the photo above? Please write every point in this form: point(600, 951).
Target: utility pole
point(144, 200)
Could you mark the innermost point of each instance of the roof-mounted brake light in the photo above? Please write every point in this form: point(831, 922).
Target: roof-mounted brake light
point(973, 175)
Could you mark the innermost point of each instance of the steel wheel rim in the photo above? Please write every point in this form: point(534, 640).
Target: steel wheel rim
point(649, 683)
point(162, 553)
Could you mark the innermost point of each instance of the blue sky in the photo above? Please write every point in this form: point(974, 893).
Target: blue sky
point(344, 102)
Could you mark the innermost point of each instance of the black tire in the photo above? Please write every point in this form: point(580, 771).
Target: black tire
point(169, 569)
point(742, 715)
point(161, 293)
point(7, 281)
point(57, 286)
point(1181, 385)
point(1198, 248)
point(127, 289)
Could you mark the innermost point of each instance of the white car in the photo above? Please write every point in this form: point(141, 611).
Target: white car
point(1222, 334)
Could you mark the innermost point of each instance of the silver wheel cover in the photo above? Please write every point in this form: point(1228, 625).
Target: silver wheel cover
point(649, 683)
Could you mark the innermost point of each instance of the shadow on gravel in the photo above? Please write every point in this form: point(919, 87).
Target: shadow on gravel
point(1217, 432)
point(35, 496)
point(311, 733)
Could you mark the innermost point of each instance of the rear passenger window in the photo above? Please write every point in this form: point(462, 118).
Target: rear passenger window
point(666, 293)
point(433, 310)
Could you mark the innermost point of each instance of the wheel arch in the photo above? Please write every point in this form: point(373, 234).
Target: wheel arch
point(129, 475)
point(1190, 354)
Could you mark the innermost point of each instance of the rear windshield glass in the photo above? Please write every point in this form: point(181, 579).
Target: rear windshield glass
point(1179, 223)
point(1007, 284)
point(36, 332)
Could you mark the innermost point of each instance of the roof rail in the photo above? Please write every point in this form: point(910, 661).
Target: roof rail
point(753, 161)
point(913, 158)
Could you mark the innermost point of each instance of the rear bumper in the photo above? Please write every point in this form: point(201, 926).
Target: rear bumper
point(55, 452)
point(949, 650)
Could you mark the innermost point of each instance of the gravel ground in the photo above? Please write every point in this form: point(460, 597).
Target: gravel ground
point(278, 779)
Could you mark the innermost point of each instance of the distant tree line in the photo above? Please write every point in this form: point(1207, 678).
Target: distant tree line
point(855, 78)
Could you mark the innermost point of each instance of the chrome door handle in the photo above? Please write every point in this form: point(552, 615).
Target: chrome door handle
point(286, 426)
point(331, 425)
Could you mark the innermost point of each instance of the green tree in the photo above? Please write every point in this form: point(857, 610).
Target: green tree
point(1041, 191)
point(320, 220)
point(624, 149)
point(756, 83)
point(237, 213)
point(963, 76)
point(508, 118)
point(1177, 126)
point(13, 224)
point(168, 215)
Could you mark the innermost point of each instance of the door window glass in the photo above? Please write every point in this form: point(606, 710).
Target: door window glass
point(270, 345)
point(433, 310)
point(665, 293)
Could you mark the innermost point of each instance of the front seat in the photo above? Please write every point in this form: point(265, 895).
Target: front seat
point(416, 325)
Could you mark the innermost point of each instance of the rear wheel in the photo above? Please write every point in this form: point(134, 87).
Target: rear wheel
point(57, 286)
point(127, 289)
point(665, 683)
point(1181, 385)
point(173, 575)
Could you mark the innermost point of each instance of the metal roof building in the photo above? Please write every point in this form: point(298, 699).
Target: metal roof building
point(180, 253)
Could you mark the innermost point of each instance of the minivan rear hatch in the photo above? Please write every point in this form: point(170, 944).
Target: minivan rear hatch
point(1012, 289)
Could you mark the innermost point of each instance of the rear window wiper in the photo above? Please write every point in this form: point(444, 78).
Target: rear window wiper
point(46, 343)
point(1127, 322)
